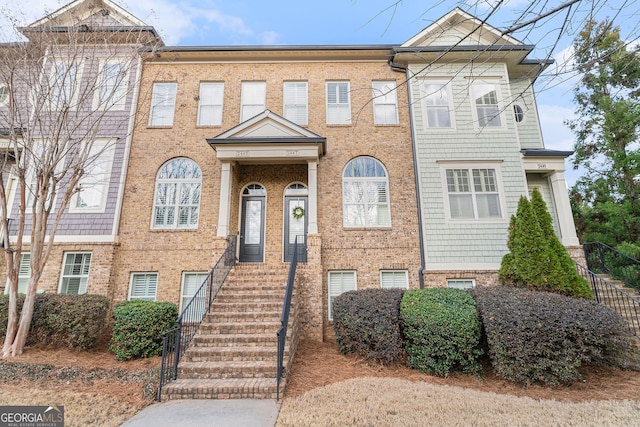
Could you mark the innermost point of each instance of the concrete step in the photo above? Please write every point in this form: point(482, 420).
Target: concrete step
point(230, 388)
point(227, 369)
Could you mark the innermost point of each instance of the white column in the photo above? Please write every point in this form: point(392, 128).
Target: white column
point(312, 177)
point(225, 200)
point(563, 207)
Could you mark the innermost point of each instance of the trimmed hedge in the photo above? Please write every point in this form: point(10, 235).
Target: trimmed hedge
point(542, 337)
point(441, 330)
point(367, 323)
point(74, 321)
point(138, 328)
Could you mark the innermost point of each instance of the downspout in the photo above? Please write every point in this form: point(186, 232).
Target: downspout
point(405, 69)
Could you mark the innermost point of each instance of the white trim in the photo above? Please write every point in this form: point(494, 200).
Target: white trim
point(118, 93)
point(380, 95)
point(108, 152)
point(98, 238)
point(446, 83)
point(176, 205)
point(153, 105)
point(81, 290)
point(406, 279)
point(134, 273)
point(199, 117)
point(365, 179)
point(455, 279)
point(296, 105)
point(497, 84)
point(337, 103)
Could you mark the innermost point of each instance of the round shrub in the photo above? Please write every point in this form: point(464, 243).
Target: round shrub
point(542, 337)
point(441, 330)
point(367, 323)
point(138, 328)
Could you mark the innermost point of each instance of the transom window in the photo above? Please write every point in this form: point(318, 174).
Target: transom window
point(210, 104)
point(75, 273)
point(435, 96)
point(177, 198)
point(338, 103)
point(296, 189)
point(163, 102)
point(473, 193)
point(295, 99)
point(485, 98)
point(365, 194)
point(143, 286)
point(253, 99)
point(340, 282)
point(385, 103)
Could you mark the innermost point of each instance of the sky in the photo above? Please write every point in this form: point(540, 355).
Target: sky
point(345, 22)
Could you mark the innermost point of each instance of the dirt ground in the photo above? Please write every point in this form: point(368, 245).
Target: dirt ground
point(319, 364)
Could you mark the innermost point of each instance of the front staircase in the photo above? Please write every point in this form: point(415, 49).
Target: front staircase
point(234, 353)
point(621, 298)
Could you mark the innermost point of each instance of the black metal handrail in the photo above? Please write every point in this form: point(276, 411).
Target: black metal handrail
point(608, 294)
point(176, 341)
point(284, 318)
point(602, 258)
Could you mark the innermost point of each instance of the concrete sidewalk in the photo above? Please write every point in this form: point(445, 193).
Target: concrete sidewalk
point(203, 412)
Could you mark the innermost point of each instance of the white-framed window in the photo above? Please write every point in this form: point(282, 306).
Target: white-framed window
point(111, 86)
point(485, 100)
point(461, 283)
point(210, 103)
point(252, 99)
point(385, 103)
point(338, 103)
point(436, 102)
point(143, 286)
point(365, 194)
point(295, 102)
point(473, 192)
point(63, 84)
point(191, 282)
point(340, 282)
point(394, 279)
point(177, 195)
point(94, 183)
point(24, 274)
point(75, 273)
point(518, 113)
point(39, 153)
point(163, 102)
point(4, 94)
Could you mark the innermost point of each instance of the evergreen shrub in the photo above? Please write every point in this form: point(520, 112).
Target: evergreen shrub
point(138, 328)
point(367, 323)
point(441, 330)
point(542, 337)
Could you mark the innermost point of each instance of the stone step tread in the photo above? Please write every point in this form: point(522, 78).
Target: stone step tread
point(234, 350)
point(220, 383)
point(229, 388)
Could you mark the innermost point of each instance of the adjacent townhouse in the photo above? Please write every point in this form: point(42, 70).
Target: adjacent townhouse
point(80, 85)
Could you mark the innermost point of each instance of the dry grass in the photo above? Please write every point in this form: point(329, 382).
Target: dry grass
point(398, 402)
point(110, 406)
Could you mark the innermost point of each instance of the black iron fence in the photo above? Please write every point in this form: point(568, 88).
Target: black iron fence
point(606, 293)
point(176, 341)
point(284, 319)
point(604, 259)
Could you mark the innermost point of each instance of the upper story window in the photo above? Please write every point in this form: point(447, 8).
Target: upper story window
point(473, 194)
point(295, 100)
point(253, 99)
point(163, 102)
point(338, 103)
point(436, 101)
point(177, 198)
point(63, 85)
point(210, 104)
point(485, 100)
point(4, 94)
point(385, 103)
point(112, 82)
point(75, 273)
point(365, 194)
point(518, 113)
point(94, 184)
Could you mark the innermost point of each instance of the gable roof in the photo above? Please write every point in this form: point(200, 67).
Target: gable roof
point(460, 28)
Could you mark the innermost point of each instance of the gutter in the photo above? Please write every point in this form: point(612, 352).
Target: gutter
point(402, 68)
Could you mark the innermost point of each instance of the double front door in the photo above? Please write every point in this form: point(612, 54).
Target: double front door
point(252, 228)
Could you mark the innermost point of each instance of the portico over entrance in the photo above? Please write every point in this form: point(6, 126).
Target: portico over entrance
point(265, 147)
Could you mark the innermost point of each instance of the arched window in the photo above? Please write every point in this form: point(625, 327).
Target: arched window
point(177, 199)
point(365, 194)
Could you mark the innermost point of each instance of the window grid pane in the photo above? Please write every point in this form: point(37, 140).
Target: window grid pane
point(210, 104)
point(177, 198)
point(480, 201)
point(365, 193)
point(436, 103)
point(486, 102)
point(338, 105)
point(75, 273)
point(385, 103)
point(144, 286)
point(163, 103)
point(295, 102)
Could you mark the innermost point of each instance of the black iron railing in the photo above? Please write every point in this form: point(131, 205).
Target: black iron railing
point(604, 259)
point(284, 320)
point(176, 341)
point(608, 294)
